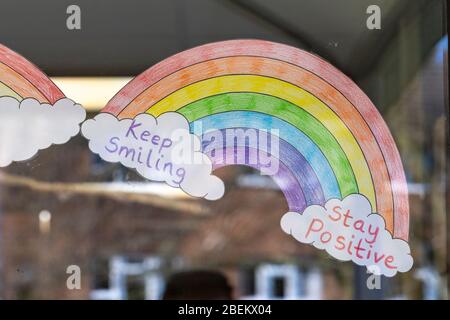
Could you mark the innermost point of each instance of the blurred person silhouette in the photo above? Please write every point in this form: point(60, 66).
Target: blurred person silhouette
point(198, 285)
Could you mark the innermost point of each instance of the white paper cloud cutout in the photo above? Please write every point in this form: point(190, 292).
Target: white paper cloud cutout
point(348, 230)
point(160, 149)
point(29, 126)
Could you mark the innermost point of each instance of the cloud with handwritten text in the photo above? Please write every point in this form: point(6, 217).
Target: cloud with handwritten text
point(348, 230)
point(160, 149)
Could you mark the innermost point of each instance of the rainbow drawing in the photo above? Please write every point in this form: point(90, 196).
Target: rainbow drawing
point(333, 141)
point(20, 79)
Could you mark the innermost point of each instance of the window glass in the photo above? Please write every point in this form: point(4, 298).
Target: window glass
point(131, 237)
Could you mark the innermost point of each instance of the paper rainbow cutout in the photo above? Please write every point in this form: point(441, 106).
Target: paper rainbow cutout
point(333, 141)
point(20, 79)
